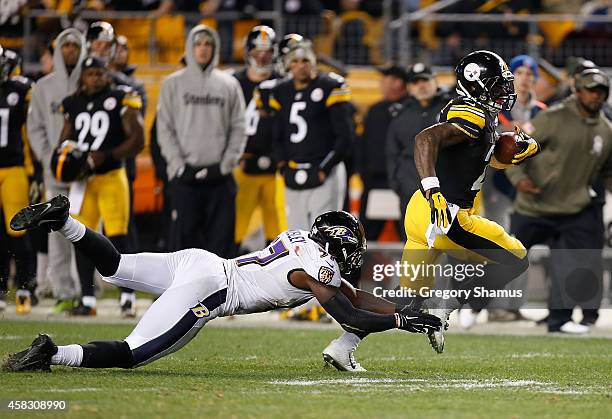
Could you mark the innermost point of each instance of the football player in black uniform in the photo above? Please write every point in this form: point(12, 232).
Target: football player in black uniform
point(15, 95)
point(103, 42)
point(315, 133)
point(451, 158)
point(256, 176)
point(106, 122)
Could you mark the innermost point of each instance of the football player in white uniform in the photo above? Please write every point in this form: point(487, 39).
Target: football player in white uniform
point(195, 286)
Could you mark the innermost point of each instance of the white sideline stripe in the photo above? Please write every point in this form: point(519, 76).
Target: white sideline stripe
point(368, 384)
point(13, 337)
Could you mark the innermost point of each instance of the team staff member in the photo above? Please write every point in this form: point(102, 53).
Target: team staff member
point(15, 94)
point(315, 133)
point(107, 123)
point(200, 130)
point(555, 200)
point(370, 159)
point(45, 122)
point(451, 158)
point(419, 111)
point(256, 176)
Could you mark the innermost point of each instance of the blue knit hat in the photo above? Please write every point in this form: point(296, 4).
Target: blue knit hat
point(524, 60)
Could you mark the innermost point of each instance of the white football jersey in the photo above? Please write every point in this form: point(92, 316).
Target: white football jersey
point(259, 281)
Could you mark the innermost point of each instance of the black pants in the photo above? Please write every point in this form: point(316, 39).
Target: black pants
point(203, 216)
point(373, 228)
point(576, 263)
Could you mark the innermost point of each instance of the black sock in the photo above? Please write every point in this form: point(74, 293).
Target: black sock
point(107, 354)
point(99, 249)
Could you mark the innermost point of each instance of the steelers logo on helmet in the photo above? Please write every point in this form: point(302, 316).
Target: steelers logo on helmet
point(483, 77)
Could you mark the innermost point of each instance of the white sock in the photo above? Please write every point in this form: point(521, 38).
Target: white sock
point(349, 340)
point(23, 293)
point(127, 296)
point(89, 301)
point(70, 355)
point(73, 230)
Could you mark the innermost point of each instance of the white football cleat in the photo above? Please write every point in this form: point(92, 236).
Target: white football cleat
point(467, 318)
point(436, 339)
point(572, 328)
point(342, 357)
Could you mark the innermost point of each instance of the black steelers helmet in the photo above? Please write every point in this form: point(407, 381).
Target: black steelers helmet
point(102, 31)
point(484, 77)
point(261, 37)
point(69, 163)
point(342, 236)
point(9, 61)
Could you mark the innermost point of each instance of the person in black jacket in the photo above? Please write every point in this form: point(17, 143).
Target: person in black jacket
point(370, 156)
point(420, 111)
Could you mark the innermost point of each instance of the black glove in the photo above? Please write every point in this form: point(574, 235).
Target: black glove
point(200, 174)
point(417, 322)
point(440, 214)
point(529, 147)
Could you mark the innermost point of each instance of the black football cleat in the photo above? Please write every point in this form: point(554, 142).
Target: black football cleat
point(51, 215)
point(35, 358)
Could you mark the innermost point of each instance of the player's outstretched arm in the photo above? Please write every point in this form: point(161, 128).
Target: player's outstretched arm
point(355, 319)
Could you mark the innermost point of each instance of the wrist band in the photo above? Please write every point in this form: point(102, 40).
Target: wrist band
point(397, 320)
point(430, 182)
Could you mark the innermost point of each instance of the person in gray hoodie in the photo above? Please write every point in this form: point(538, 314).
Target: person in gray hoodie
point(201, 134)
point(44, 124)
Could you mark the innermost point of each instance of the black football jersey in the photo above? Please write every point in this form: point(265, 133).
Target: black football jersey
point(97, 120)
point(304, 122)
point(260, 131)
point(14, 99)
point(461, 167)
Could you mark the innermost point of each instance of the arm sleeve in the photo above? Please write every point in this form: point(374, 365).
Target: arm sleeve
point(37, 132)
point(342, 126)
point(356, 320)
point(236, 136)
point(166, 132)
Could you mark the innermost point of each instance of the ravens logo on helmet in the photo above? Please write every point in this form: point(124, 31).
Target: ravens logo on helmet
point(69, 163)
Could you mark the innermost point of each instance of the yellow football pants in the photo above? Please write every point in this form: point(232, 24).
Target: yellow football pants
point(472, 238)
point(265, 191)
point(13, 195)
point(107, 198)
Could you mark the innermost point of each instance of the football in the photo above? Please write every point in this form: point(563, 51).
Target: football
point(506, 147)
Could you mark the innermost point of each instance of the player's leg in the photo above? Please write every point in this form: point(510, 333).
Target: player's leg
point(89, 215)
point(273, 213)
point(196, 296)
point(220, 217)
point(14, 196)
point(247, 199)
point(114, 206)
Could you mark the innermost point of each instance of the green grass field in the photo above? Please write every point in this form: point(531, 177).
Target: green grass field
point(232, 372)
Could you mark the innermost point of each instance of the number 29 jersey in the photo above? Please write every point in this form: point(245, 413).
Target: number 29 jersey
point(97, 122)
point(260, 280)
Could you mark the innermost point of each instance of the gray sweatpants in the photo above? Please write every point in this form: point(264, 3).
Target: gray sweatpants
point(60, 250)
point(303, 206)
